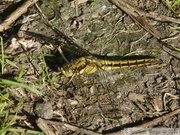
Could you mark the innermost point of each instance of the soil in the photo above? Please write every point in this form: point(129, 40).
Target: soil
point(106, 101)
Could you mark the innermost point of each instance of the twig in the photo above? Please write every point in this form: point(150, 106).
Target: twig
point(76, 7)
point(150, 123)
point(161, 18)
point(44, 127)
point(158, 120)
point(153, 15)
point(137, 16)
point(17, 117)
point(16, 14)
point(76, 48)
point(73, 4)
point(66, 125)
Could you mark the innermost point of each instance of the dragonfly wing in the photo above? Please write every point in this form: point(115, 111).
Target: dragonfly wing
point(66, 44)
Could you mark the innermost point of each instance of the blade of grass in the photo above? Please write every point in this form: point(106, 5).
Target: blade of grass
point(9, 82)
point(21, 73)
point(175, 28)
point(11, 63)
point(46, 68)
point(2, 55)
point(172, 47)
point(171, 5)
point(16, 131)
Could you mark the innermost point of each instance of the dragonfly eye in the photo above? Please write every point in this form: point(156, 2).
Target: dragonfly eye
point(67, 71)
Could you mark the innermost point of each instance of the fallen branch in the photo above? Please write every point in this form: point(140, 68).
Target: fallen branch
point(16, 14)
point(153, 15)
point(44, 127)
point(150, 123)
point(136, 15)
point(42, 124)
point(139, 16)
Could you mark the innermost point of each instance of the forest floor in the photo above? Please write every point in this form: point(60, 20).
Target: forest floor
point(37, 98)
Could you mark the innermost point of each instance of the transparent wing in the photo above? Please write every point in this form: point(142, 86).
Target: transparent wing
point(64, 42)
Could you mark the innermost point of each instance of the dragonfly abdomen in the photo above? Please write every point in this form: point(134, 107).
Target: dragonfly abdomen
point(108, 64)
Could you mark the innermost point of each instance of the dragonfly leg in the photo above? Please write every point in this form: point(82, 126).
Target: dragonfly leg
point(62, 54)
point(72, 77)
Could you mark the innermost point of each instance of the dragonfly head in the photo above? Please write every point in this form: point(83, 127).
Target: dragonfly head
point(80, 66)
point(67, 70)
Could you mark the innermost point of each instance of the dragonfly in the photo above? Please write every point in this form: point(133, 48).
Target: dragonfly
point(89, 65)
point(87, 62)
